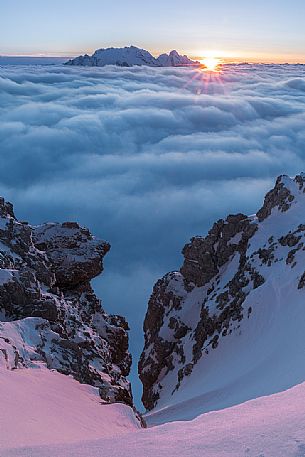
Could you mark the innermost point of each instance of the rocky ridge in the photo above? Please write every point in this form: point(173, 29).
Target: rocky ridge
point(49, 314)
point(174, 59)
point(193, 311)
point(130, 56)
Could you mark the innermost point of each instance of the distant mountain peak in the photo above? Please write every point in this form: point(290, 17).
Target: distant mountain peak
point(174, 59)
point(129, 56)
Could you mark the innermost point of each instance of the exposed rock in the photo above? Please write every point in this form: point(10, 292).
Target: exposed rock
point(49, 313)
point(280, 196)
point(203, 257)
point(192, 312)
point(301, 284)
point(75, 255)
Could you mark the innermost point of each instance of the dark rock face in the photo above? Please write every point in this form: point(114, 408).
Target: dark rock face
point(49, 314)
point(75, 255)
point(191, 311)
point(280, 196)
point(203, 259)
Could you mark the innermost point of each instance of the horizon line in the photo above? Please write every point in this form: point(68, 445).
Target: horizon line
point(224, 56)
point(225, 60)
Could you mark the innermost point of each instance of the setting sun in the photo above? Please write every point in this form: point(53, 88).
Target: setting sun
point(211, 63)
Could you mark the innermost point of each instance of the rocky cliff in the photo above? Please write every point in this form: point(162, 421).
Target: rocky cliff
point(228, 324)
point(49, 314)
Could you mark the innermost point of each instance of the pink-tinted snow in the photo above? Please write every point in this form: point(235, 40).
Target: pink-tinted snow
point(38, 407)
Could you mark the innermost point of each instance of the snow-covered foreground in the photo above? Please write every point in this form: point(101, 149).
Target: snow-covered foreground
point(41, 409)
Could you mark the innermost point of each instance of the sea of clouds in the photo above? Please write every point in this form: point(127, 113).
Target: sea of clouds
point(146, 158)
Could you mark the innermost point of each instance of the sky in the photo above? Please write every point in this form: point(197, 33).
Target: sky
point(263, 30)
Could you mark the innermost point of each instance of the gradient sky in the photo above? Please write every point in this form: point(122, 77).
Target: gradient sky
point(265, 30)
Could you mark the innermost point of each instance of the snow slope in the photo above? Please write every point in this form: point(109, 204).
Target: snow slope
point(237, 333)
point(40, 407)
point(266, 427)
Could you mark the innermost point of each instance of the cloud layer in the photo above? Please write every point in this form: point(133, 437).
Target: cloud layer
point(146, 157)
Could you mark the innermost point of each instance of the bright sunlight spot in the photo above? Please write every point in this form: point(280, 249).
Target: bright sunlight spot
point(211, 63)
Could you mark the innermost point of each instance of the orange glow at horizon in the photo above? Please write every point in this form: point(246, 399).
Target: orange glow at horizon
point(211, 63)
point(231, 57)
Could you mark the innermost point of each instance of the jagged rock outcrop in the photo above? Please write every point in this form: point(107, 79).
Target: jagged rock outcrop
point(130, 56)
point(227, 276)
point(49, 314)
point(174, 59)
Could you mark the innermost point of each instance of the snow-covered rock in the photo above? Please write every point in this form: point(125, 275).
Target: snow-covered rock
point(130, 56)
point(174, 59)
point(49, 314)
point(229, 326)
point(123, 57)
